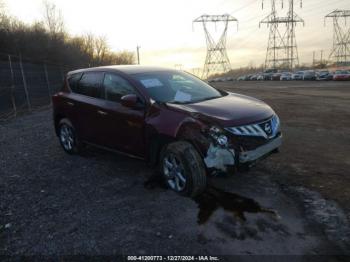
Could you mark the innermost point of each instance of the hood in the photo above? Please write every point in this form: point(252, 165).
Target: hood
point(228, 111)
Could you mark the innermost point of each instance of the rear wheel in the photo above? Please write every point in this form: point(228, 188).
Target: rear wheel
point(67, 137)
point(183, 169)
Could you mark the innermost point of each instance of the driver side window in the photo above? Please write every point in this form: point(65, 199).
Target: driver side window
point(116, 87)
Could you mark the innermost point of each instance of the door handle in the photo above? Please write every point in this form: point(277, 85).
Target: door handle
point(70, 103)
point(103, 113)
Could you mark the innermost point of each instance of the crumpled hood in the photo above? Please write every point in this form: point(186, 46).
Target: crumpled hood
point(230, 110)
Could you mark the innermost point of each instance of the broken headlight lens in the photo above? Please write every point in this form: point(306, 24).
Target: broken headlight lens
point(222, 140)
point(217, 134)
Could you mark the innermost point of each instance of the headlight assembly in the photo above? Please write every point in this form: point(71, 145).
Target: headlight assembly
point(217, 134)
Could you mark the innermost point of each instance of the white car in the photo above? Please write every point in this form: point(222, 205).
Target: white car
point(298, 75)
point(286, 76)
point(260, 78)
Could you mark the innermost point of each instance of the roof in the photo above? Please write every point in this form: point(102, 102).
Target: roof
point(127, 69)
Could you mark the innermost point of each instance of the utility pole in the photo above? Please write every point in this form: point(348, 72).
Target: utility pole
point(341, 37)
point(138, 54)
point(313, 59)
point(217, 60)
point(321, 57)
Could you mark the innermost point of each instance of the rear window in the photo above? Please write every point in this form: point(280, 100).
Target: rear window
point(73, 81)
point(88, 84)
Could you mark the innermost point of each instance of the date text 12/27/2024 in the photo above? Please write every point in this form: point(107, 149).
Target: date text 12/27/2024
point(173, 258)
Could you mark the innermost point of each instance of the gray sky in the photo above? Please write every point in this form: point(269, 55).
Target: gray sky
point(163, 28)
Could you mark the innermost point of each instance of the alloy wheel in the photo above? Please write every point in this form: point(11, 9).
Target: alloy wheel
point(174, 173)
point(67, 137)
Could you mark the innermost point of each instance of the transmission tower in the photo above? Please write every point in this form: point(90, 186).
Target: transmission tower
point(216, 60)
point(341, 37)
point(282, 49)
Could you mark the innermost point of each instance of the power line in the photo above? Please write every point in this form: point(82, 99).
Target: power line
point(244, 7)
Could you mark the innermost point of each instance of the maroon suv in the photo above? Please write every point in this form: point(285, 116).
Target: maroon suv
point(169, 118)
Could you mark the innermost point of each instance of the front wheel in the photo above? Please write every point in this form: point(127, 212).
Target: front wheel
point(183, 169)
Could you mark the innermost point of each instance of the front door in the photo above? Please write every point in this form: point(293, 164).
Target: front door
point(122, 127)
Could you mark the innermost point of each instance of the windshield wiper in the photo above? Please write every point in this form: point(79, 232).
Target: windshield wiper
point(179, 102)
point(192, 102)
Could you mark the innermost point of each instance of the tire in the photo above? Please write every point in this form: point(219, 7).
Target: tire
point(68, 137)
point(182, 169)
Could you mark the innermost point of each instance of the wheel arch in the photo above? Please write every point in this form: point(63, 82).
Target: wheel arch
point(188, 131)
point(57, 118)
point(156, 145)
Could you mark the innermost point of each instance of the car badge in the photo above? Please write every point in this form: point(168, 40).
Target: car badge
point(267, 128)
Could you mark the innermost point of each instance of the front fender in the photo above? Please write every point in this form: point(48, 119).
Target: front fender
point(193, 131)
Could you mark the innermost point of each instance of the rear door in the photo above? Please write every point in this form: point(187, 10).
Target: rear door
point(123, 127)
point(87, 100)
point(68, 106)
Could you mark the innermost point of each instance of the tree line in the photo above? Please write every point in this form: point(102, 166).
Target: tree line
point(48, 40)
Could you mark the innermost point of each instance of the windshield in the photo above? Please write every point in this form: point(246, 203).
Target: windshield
point(176, 87)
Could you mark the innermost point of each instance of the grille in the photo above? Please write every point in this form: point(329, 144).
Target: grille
point(267, 129)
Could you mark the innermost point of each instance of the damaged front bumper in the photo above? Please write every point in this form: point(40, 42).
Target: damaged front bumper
point(219, 157)
point(253, 155)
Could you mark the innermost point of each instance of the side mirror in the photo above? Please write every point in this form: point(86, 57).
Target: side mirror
point(129, 101)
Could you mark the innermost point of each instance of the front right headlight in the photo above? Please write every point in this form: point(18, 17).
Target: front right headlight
point(217, 134)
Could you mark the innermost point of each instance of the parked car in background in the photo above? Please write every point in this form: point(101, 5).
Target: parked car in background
point(341, 75)
point(171, 119)
point(244, 78)
point(276, 77)
point(267, 76)
point(241, 78)
point(298, 75)
point(286, 76)
point(254, 77)
point(260, 77)
point(324, 75)
point(248, 77)
point(229, 79)
point(213, 80)
point(268, 73)
point(309, 75)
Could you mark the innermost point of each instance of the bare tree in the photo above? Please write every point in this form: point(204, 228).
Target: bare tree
point(89, 47)
point(53, 18)
point(101, 48)
point(47, 40)
point(2, 10)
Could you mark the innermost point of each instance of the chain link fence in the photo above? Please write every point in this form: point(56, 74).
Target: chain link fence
point(26, 85)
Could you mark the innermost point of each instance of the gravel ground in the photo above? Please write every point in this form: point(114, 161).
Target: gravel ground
point(97, 204)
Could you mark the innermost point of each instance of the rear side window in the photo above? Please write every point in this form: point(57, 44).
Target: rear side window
point(73, 81)
point(90, 84)
point(116, 87)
